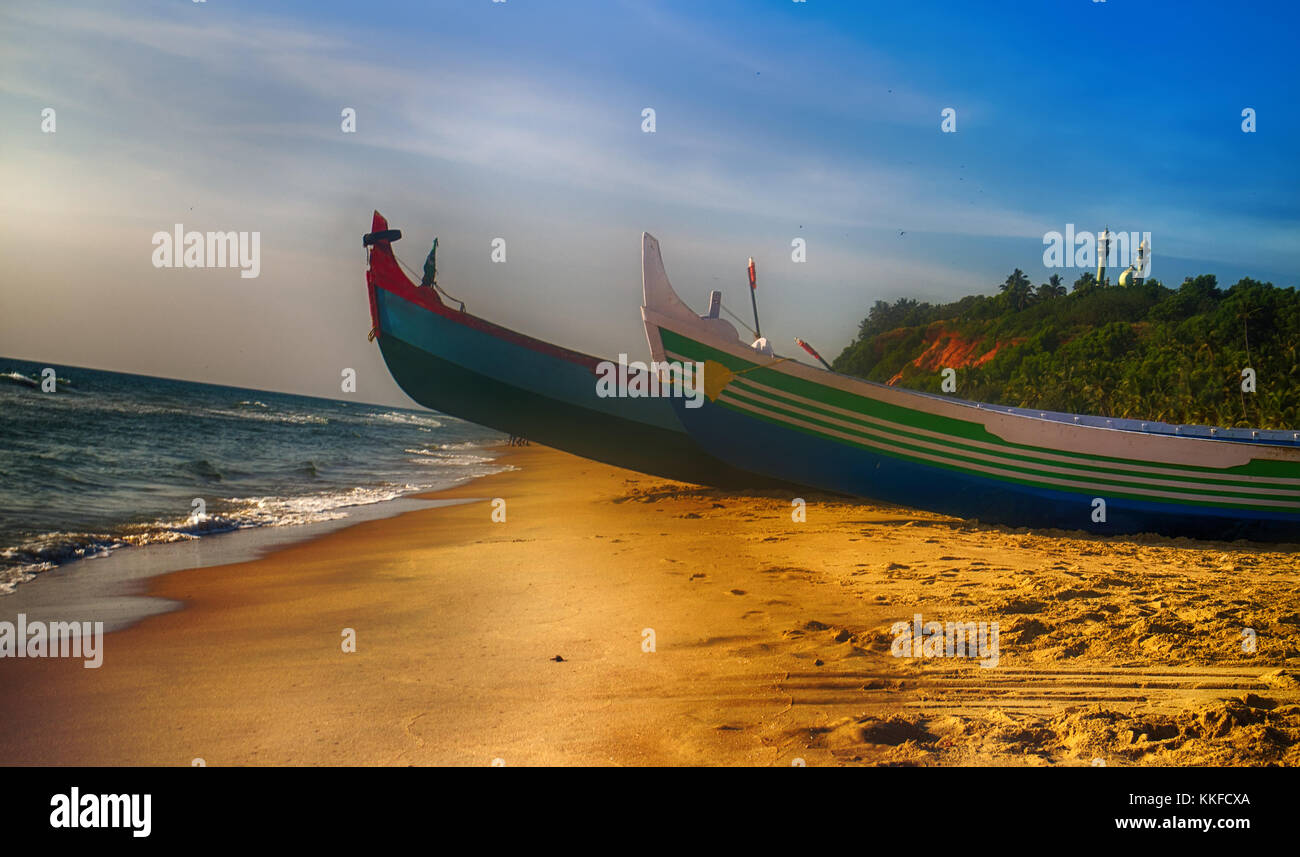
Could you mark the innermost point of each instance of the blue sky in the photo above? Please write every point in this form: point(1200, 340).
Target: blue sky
point(522, 120)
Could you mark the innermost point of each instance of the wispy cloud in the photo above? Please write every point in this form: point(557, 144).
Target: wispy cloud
point(768, 126)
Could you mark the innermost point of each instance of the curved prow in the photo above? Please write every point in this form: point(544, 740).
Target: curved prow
point(380, 234)
point(385, 272)
point(657, 292)
point(660, 300)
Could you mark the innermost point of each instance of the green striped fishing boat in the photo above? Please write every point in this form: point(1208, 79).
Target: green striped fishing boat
point(781, 418)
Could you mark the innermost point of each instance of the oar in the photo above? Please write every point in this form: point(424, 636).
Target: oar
point(753, 289)
point(813, 351)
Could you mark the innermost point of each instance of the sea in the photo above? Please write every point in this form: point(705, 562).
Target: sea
point(110, 461)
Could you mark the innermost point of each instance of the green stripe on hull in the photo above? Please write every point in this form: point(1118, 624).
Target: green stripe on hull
point(1090, 483)
point(969, 448)
point(1042, 458)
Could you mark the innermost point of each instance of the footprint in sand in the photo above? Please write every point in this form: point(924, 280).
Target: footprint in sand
point(791, 572)
point(1021, 605)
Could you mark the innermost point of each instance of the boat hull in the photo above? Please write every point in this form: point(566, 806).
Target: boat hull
point(464, 366)
point(998, 465)
point(451, 388)
point(835, 467)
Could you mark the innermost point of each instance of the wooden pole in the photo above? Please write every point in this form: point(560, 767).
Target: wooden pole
point(753, 288)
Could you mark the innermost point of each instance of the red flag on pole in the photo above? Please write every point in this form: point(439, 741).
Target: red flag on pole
point(753, 283)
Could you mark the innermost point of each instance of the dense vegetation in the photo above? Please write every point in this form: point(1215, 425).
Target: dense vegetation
point(1143, 351)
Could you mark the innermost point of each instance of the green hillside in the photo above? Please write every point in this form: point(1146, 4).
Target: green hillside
point(1144, 351)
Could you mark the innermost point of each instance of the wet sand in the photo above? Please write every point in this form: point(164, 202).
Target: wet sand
point(692, 626)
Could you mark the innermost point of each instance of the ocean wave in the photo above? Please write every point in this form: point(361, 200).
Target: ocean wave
point(203, 469)
point(451, 460)
point(87, 473)
point(328, 506)
point(407, 419)
point(234, 412)
point(449, 454)
point(11, 577)
point(435, 458)
point(20, 563)
point(270, 416)
point(23, 562)
point(33, 381)
point(19, 378)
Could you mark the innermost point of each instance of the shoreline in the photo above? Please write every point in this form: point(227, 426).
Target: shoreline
point(695, 626)
point(113, 587)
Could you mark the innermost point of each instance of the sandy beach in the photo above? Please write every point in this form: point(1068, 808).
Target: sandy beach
point(619, 619)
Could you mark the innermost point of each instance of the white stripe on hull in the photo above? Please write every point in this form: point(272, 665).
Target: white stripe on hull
point(1090, 487)
point(1251, 484)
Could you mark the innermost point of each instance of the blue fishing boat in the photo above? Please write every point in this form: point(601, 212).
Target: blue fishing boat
point(459, 364)
point(776, 416)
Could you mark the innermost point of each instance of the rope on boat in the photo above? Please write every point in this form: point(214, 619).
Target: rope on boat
point(737, 318)
point(419, 277)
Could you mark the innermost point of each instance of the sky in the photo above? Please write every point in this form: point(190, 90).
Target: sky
point(478, 120)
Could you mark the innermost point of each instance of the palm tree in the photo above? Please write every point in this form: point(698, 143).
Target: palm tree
point(1018, 289)
point(1052, 288)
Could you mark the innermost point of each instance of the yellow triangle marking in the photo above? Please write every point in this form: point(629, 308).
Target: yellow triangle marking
point(718, 376)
